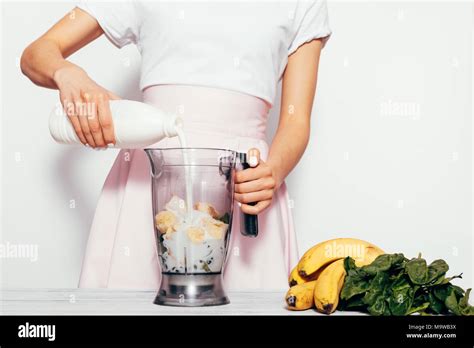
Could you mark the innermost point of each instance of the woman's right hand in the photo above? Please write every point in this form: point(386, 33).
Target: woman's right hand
point(87, 106)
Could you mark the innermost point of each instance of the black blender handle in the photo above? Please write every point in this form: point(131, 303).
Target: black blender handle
point(248, 222)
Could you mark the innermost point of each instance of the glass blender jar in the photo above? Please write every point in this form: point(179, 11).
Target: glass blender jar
point(193, 193)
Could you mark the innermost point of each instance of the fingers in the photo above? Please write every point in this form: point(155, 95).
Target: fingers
point(255, 209)
point(69, 109)
point(93, 120)
point(265, 183)
point(252, 174)
point(78, 129)
point(82, 114)
point(254, 185)
point(253, 157)
point(252, 197)
point(87, 108)
point(105, 119)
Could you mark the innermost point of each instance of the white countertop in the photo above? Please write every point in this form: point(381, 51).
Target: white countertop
point(133, 302)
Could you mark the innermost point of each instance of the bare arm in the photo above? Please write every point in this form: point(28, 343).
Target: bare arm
point(298, 90)
point(42, 59)
point(258, 184)
point(44, 63)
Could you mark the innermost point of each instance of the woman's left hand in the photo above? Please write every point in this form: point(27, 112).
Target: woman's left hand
point(256, 184)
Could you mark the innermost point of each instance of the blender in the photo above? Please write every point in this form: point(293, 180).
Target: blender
point(193, 200)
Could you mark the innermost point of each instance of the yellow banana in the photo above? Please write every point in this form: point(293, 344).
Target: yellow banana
point(328, 287)
point(369, 256)
point(195, 234)
point(329, 251)
point(295, 278)
point(330, 282)
point(207, 208)
point(300, 296)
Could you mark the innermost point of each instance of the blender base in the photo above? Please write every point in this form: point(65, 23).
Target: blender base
point(191, 290)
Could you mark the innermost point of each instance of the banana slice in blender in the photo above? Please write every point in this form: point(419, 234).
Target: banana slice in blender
point(195, 234)
point(166, 221)
point(215, 228)
point(206, 208)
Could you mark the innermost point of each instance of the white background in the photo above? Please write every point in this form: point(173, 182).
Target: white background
point(400, 178)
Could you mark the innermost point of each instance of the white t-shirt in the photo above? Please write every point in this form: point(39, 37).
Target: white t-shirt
point(238, 45)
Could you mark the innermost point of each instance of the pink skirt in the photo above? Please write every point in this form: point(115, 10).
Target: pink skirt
point(121, 250)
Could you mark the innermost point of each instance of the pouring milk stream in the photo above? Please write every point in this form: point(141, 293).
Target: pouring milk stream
point(153, 126)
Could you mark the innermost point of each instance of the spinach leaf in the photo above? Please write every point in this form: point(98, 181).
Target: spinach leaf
point(376, 288)
point(356, 302)
point(436, 270)
point(451, 302)
point(379, 307)
point(441, 292)
point(401, 300)
point(417, 271)
point(458, 291)
point(436, 305)
point(464, 306)
point(421, 308)
point(355, 282)
point(383, 263)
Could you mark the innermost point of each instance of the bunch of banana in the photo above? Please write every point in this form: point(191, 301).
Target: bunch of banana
point(319, 276)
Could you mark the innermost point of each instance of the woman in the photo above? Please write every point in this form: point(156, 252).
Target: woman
point(218, 65)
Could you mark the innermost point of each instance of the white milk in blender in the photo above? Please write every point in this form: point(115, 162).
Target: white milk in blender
point(187, 171)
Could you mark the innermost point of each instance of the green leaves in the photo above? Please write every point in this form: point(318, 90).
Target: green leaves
point(420, 273)
point(394, 285)
point(357, 284)
point(436, 270)
point(417, 270)
point(463, 304)
point(384, 263)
